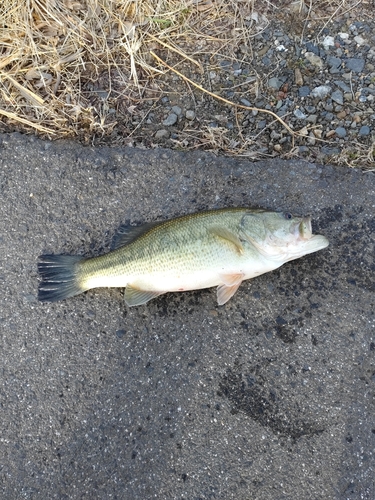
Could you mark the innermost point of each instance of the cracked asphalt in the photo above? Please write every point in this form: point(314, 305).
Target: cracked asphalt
point(268, 397)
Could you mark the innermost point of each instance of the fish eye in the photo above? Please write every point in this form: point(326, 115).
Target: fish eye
point(287, 216)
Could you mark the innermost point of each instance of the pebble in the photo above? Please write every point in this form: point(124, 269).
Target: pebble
point(364, 130)
point(170, 120)
point(312, 118)
point(340, 132)
point(274, 83)
point(338, 97)
point(190, 114)
point(245, 102)
point(162, 134)
point(328, 42)
point(298, 114)
point(330, 89)
point(304, 91)
point(321, 92)
point(356, 65)
point(314, 59)
point(177, 110)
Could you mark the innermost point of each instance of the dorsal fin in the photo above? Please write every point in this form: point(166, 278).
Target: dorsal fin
point(127, 233)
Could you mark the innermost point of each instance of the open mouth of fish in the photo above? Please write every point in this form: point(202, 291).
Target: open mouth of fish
point(303, 230)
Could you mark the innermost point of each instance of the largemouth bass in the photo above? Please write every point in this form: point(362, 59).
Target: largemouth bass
point(215, 248)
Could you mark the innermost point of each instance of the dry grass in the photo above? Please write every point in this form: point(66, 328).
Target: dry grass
point(54, 53)
point(66, 64)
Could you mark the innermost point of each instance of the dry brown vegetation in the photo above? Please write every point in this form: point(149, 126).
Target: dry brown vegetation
point(67, 65)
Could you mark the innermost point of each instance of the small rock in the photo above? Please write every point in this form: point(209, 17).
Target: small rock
point(330, 151)
point(341, 115)
point(342, 85)
point(348, 96)
point(312, 48)
point(338, 97)
point(322, 91)
point(340, 132)
point(364, 130)
point(170, 120)
point(344, 36)
point(304, 91)
point(359, 40)
point(312, 118)
point(190, 114)
point(245, 102)
point(298, 114)
point(177, 110)
point(330, 133)
point(162, 134)
point(355, 64)
point(334, 62)
point(328, 42)
point(314, 59)
point(318, 133)
point(274, 83)
point(298, 77)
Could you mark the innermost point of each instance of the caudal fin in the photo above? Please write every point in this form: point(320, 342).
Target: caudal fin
point(59, 275)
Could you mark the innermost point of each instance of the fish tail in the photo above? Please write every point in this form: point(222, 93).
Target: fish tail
point(60, 277)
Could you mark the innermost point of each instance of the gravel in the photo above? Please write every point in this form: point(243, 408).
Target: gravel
point(322, 83)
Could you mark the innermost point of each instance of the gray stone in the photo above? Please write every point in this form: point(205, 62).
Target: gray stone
point(304, 91)
point(274, 83)
point(312, 118)
point(355, 64)
point(299, 114)
point(364, 130)
point(334, 62)
point(338, 97)
point(170, 120)
point(162, 134)
point(343, 86)
point(314, 59)
point(190, 114)
point(245, 102)
point(321, 91)
point(340, 132)
point(177, 110)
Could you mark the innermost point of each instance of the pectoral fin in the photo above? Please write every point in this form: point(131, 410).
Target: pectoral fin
point(136, 297)
point(225, 292)
point(225, 234)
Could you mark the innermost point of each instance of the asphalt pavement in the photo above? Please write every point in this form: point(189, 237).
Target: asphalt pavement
point(270, 397)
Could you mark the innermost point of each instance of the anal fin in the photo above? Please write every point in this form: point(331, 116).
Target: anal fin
point(231, 279)
point(136, 297)
point(225, 292)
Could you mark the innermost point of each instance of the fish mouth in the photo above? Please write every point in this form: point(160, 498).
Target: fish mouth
point(303, 230)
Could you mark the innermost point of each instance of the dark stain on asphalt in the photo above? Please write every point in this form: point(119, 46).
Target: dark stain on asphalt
point(248, 396)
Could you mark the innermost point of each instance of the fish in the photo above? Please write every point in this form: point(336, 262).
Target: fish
point(221, 247)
